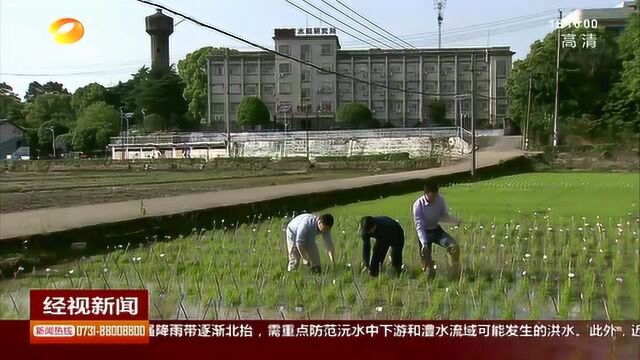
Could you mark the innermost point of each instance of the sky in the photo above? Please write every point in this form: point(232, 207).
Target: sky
point(115, 43)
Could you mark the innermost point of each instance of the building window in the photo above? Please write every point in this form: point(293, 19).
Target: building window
point(464, 67)
point(305, 75)
point(218, 70)
point(413, 86)
point(284, 49)
point(285, 68)
point(501, 68)
point(431, 86)
point(465, 85)
point(501, 109)
point(412, 68)
point(233, 107)
point(305, 93)
point(326, 49)
point(430, 68)
point(217, 108)
point(447, 69)
point(235, 89)
point(484, 105)
point(395, 87)
point(378, 68)
point(267, 89)
point(251, 89)
point(326, 67)
point(251, 69)
point(327, 106)
point(267, 69)
point(326, 87)
point(285, 88)
point(396, 107)
point(395, 69)
point(501, 91)
point(483, 86)
point(378, 106)
point(344, 69)
point(413, 107)
point(450, 107)
point(481, 66)
point(448, 86)
point(218, 88)
point(305, 52)
point(345, 88)
point(234, 69)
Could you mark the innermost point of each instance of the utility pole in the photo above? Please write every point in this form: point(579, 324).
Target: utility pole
point(473, 115)
point(525, 134)
point(556, 108)
point(308, 107)
point(227, 114)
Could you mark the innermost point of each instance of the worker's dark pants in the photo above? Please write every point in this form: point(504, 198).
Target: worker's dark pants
point(442, 238)
point(380, 249)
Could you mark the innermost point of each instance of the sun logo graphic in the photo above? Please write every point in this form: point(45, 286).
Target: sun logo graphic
point(69, 37)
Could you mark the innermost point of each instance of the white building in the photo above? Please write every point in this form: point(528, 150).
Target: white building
point(612, 19)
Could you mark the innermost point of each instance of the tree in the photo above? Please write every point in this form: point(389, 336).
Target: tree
point(622, 112)
point(586, 78)
point(97, 123)
point(161, 94)
point(47, 107)
point(438, 112)
point(354, 115)
point(87, 95)
point(252, 112)
point(35, 89)
point(193, 70)
point(10, 105)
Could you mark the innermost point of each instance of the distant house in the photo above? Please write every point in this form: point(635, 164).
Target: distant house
point(11, 138)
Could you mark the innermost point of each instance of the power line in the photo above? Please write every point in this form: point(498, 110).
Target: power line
point(545, 15)
point(372, 23)
point(363, 25)
point(343, 23)
point(286, 56)
point(346, 32)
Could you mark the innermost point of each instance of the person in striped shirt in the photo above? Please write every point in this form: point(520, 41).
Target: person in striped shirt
point(429, 210)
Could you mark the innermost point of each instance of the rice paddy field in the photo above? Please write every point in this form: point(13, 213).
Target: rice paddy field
point(534, 246)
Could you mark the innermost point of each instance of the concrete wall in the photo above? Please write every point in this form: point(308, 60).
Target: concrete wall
point(415, 146)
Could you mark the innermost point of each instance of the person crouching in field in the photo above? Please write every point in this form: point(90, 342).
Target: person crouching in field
point(301, 240)
point(429, 210)
point(388, 234)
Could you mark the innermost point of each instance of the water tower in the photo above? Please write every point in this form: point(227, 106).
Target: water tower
point(160, 27)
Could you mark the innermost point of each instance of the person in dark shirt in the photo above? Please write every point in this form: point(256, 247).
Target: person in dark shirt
point(388, 234)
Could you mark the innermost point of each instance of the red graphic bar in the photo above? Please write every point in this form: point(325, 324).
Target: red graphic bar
point(94, 305)
point(337, 339)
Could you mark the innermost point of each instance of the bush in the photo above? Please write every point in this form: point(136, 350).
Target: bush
point(253, 112)
point(354, 115)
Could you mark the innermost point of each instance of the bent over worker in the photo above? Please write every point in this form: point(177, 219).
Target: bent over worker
point(301, 240)
point(388, 234)
point(429, 210)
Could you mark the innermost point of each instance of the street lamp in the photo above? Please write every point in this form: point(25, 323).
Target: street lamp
point(53, 141)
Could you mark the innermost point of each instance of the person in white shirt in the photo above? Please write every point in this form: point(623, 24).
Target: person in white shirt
point(429, 210)
point(301, 240)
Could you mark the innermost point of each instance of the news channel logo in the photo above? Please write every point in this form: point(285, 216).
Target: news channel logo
point(69, 37)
